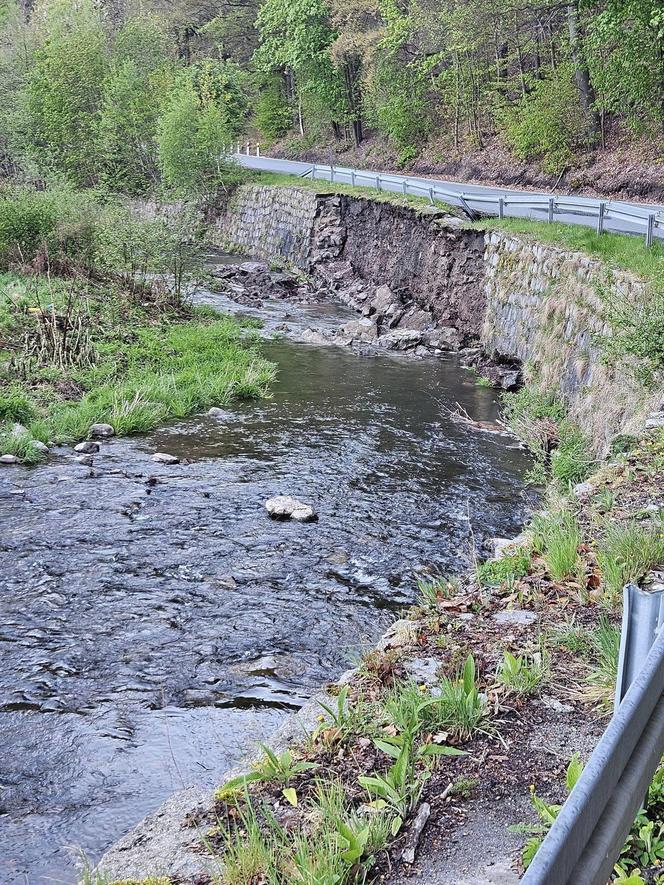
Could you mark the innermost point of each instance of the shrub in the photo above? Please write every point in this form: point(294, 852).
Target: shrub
point(548, 123)
point(27, 218)
point(572, 461)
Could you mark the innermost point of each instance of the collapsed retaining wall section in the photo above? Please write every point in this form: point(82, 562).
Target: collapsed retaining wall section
point(419, 269)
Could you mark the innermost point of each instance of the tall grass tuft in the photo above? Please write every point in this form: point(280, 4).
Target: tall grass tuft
point(556, 536)
point(627, 551)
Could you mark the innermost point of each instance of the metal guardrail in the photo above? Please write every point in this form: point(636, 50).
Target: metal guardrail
point(588, 835)
point(500, 205)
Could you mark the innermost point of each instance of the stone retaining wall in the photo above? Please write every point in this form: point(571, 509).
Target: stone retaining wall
point(535, 303)
point(544, 307)
point(269, 222)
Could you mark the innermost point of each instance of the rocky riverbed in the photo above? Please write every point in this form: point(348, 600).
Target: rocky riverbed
point(154, 619)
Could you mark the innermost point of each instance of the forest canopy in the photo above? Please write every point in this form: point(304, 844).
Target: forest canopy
point(129, 99)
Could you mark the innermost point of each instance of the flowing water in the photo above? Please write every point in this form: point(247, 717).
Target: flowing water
point(153, 619)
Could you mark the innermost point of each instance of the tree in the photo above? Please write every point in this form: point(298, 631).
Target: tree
point(205, 111)
point(65, 89)
point(141, 71)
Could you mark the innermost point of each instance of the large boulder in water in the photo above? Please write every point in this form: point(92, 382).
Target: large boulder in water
point(285, 507)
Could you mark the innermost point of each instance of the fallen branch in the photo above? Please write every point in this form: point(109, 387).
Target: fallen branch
point(420, 822)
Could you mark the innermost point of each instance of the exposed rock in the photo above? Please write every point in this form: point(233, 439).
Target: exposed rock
point(516, 616)
point(253, 266)
point(40, 446)
point(583, 489)
point(215, 412)
point(445, 338)
point(423, 670)
point(401, 633)
point(19, 430)
point(286, 507)
point(655, 420)
point(415, 318)
point(8, 459)
point(165, 458)
point(315, 336)
point(555, 704)
point(102, 431)
point(84, 459)
point(87, 448)
point(502, 547)
point(401, 339)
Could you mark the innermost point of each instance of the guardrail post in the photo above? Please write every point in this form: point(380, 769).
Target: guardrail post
point(404, 187)
point(501, 207)
point(258, 149)
point(600, 218)
point(378, 182)
point(313, 171)
point(331, 174)
point(552, 206)
point(431, 199)
point(352, 177)
point(643, 616)
point(650, 229)
point(248, 148)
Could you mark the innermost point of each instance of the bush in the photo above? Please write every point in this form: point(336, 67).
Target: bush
point(626, 552)
point(548, 123)
point(16, 406)
point(26, 220)
point(205, 112)
point(557, 537)
point(274, 116)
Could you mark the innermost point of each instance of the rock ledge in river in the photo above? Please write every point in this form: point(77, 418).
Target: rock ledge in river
point(285, 507)
point(165, 458)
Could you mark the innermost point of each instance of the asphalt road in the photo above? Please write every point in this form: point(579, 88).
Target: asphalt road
point(570, 212)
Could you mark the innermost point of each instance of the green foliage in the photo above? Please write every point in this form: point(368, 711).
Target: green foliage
point(205, 112)
point(460, 708)
point(273, 114)
point(521, 675)
point(504, 572)
point(65, 90)
point(548, 123)
point(556, 536)
point(27, 218)
point(16, 405)
point(562, 452)
point(400, 105)
point(626, 551)
point(546, 812)
point(637, 332)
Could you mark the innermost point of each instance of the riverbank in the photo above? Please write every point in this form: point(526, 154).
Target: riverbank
point(478, 699)
point(84, 344)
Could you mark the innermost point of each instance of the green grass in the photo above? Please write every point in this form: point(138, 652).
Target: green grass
point(626, 552)
point(144, 376)
point(616, 250)
point(326, 187)
point(556, 536)
point(504, 572)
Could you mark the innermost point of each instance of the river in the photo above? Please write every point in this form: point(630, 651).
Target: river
point(154, 621)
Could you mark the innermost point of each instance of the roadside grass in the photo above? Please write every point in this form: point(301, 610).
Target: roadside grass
point(326, 187)
point(616, 250)
point(556, 536)
point(522, 674)
point(625, 552)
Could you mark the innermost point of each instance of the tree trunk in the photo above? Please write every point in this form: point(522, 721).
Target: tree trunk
point(585, 87)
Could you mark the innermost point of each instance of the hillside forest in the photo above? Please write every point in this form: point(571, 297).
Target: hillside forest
point(130, 98)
